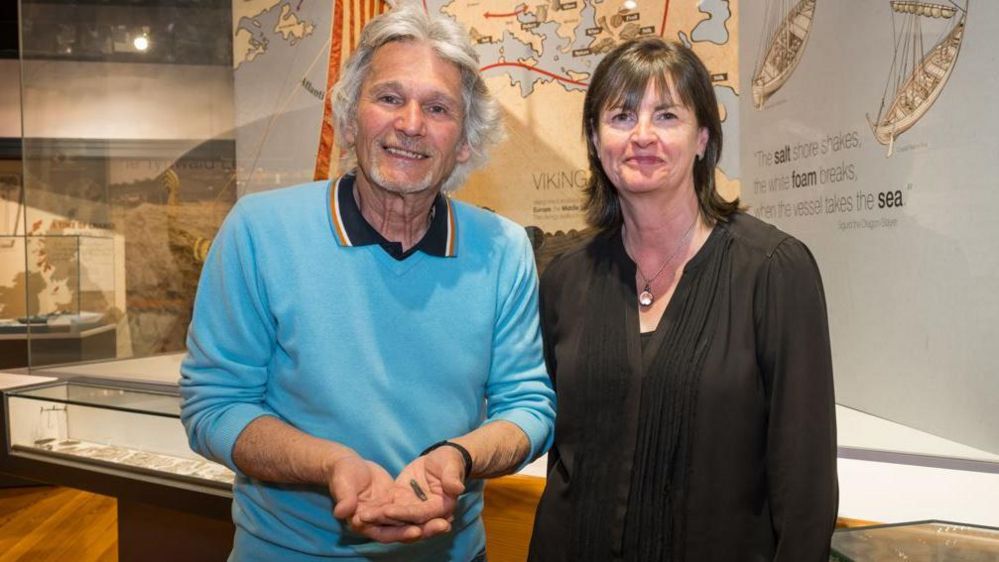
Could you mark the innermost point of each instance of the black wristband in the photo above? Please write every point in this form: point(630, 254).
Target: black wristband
point(465, 455)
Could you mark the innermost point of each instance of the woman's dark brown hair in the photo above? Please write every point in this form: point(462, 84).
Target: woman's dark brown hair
point(621, 79)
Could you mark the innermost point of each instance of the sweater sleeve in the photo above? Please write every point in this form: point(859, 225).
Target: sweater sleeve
point(518, 389)
point(230, 342)
point(795, 356)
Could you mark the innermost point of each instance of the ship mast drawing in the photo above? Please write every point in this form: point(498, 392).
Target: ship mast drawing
point(918, 75)
point(787, 27)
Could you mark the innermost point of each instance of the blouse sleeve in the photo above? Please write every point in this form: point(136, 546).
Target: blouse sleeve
point(794, 354)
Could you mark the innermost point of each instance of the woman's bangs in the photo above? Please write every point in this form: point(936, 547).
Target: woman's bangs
point(626, 89)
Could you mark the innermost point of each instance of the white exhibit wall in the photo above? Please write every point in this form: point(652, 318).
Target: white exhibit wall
point(892, 493)
point(902, 225)
point(98, 100)
point(903, 232)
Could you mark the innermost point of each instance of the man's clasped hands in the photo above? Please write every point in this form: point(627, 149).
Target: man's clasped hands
point(416, 505)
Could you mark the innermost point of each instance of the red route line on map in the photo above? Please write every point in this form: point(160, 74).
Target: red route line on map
point(518, 11)
point(535, 69)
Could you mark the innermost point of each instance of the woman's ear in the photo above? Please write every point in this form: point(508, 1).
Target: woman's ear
point(702, 141)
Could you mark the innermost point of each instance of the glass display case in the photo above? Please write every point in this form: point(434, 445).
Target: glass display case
point(131, 428)
point(73, 277)
point(117, 166)
point(83, 266)
point(123, 171)
point(923, 541)
point(64, 305)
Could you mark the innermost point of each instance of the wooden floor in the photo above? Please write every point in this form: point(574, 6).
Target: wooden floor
point(41, 524)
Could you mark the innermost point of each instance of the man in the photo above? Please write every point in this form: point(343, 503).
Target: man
point(365, 351)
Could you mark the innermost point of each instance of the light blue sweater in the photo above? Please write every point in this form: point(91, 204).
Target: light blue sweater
point(348, 344)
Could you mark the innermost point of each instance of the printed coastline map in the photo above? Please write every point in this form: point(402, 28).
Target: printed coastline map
point(537, 59)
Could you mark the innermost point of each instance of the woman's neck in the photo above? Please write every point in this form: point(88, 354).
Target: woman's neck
point(654, 226)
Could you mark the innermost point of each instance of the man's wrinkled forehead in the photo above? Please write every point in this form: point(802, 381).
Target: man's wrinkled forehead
point(384, 75)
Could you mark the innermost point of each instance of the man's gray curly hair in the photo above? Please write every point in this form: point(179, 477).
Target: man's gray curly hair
point(481, 124)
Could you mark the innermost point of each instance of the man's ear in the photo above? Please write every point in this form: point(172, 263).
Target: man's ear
point(350, 134)
point(464, 152)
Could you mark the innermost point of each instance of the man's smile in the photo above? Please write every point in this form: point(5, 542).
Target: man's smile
point(404, 153)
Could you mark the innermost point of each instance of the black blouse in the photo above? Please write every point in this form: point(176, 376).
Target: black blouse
point(717, 441)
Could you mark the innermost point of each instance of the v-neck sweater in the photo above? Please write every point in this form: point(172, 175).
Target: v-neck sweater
point(346, 343)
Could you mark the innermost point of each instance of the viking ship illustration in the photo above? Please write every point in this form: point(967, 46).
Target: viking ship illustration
point(787, 30)
point(917, 75)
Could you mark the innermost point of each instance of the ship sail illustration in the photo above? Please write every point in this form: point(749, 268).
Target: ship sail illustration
point(918, 75)
point(786, 33)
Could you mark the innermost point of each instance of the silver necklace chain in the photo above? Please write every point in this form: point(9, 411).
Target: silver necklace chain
point(647, 297)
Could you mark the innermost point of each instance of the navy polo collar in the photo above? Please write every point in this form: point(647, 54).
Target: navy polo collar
point(351, 228)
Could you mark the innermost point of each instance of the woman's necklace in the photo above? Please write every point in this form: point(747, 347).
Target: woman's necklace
point(647, 297)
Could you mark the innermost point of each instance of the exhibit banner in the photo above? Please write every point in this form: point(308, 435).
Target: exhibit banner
point(869, 131)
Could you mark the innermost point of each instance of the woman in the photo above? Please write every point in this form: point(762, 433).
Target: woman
point(688, 344)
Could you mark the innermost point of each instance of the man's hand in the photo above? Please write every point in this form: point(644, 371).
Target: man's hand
point(361, 486)
point(425, 494)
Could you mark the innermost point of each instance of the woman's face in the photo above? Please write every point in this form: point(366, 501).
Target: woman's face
point(652, 147)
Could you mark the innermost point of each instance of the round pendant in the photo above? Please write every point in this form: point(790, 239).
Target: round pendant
point(645, 298)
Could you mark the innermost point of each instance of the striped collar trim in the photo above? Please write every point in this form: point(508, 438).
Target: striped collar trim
point(351, 229)
point(338, 228)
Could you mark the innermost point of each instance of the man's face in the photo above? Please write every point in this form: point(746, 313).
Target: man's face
point(407, 134)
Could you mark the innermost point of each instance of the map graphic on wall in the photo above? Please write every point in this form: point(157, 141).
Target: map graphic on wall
point(917, 76)
point(536, 58)
point(788, 24)
point(905, 244)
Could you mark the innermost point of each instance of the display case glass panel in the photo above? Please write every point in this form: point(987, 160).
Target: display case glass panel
point(133, 428)
point(925, 541)
point(64, 305)
point(128, 171)
point(75, 275)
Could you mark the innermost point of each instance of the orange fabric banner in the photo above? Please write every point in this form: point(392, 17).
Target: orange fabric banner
point(349, 17)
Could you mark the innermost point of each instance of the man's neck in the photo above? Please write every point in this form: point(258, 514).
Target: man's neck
point(398, 217)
